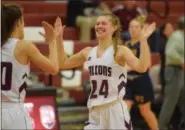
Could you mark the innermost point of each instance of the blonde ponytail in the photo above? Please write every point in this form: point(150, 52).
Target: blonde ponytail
point(116, 40)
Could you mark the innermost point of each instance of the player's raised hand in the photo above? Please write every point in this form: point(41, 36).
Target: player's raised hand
point(59, 28)
point(50, 33)
point(147, 30)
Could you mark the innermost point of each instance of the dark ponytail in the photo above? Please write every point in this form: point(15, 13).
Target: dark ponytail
point(9, 15)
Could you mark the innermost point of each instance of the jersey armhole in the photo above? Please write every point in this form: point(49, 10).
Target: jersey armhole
point(24, 65)
point(90, 53)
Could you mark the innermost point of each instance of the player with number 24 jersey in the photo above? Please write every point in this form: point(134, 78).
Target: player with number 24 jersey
point(108, 79)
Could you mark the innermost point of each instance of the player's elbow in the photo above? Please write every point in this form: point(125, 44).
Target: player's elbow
point(66, 67)
point(55, 70)
point(63, 64)
point(63, 67)
point(142, 69)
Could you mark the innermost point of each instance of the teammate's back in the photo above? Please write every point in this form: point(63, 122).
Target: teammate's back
point(16, 56)
point(13, 74)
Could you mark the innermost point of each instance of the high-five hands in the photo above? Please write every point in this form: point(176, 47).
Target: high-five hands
point(147, 30)
point(59, 28)
point(53, 32)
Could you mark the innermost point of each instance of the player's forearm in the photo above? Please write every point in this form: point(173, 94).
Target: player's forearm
point(53, 56)
point(145, 56)
point(61, 52)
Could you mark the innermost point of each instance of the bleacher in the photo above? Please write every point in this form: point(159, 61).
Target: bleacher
point(36, 11)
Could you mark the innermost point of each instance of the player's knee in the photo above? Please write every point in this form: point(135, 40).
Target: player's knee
point(145, 111)
point(129, 104)
point(88, 127)
point(92, 127)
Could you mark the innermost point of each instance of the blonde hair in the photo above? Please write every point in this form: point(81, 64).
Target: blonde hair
point(117, 34)
point(140, 20)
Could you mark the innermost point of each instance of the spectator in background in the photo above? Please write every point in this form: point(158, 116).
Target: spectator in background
point(139, 88)
point(76, 8)
point(174, 76)
point(87, 22)
point(126, 12)
point(165, 31)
